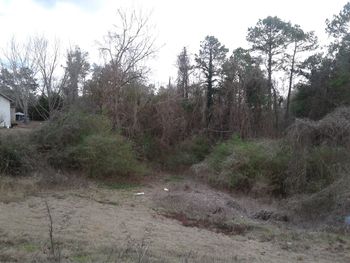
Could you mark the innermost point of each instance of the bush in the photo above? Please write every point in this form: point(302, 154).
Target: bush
point(315, 168)
point(148, 147)
point(101, 155)
point(59, 137)
point(16, 155)
point(320, 151)
point(332, 130)
point(240, 164)
point(311, 158)
point(70, 128)
point(76, 140)
point(188, 152)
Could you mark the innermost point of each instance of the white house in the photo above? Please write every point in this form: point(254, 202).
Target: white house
point(5, 111)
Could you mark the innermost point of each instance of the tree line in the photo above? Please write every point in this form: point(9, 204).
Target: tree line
point(216, 92)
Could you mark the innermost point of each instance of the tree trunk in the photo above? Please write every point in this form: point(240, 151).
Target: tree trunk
point(275, 108)
point(269, 72)
point(210, 89)
point(290, 83)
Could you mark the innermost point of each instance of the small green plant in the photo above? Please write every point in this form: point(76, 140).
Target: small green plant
point(30, 248)
point(174, 178)
point(119, 185)
point(81, 258)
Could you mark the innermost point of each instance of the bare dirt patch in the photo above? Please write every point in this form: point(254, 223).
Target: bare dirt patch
point(100, 224)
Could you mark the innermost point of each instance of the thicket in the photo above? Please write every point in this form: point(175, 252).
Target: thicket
point(186, 153)
point(78, 140)
point(311, 157)
point(17, 155)
point(72, 140)
point(240, 165)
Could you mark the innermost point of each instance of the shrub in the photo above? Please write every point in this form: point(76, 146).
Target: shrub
point(16, 155)
point(332, 130)
point(59, 137)
point(315, 168)
point(186, 153)
point(219, 154)
point(307, 161)
point(70, 128)
point(240, 164)
point(148, 146)
point(103, 155)
point(320, 151)
point(76, 140)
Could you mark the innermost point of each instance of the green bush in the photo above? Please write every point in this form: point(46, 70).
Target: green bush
point(219, 154)
point(58, 138)
point(243, 163)
point(70, 128)
point(286, 170)
point(103, 155)
point(76, 140)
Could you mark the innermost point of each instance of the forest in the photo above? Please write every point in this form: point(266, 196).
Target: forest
point(269, 123)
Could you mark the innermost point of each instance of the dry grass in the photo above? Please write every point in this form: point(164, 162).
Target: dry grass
point(16, 189)
point(90, 229)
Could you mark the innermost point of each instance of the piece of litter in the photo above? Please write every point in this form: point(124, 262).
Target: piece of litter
point(166, 189)
point(142, 193)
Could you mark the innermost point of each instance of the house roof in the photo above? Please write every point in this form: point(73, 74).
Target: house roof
point(4, 96)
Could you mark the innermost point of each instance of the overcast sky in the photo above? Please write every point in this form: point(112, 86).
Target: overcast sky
point(177, 23)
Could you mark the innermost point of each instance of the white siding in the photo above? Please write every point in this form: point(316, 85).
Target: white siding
point(5, 112)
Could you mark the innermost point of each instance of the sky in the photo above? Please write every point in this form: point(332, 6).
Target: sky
point(175, 23)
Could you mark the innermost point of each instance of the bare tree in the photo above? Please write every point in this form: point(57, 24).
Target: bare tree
point(76, 69)
point(47, 59)
point(184, 71)
point(125, 50)
point(19, 72)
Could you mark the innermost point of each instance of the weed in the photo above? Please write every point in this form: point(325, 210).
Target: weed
point(174, 178)
point(30, 247)
point(119, 186)
point(81, 258)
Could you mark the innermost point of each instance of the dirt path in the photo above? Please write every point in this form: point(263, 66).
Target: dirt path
point(96, 224)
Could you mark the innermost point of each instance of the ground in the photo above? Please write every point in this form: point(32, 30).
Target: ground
point(21, 128)
point(109, 222)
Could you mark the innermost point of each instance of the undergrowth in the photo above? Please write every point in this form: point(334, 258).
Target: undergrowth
point(186, 153)
point(17, 155)
point(71, 141)
point(242, 164)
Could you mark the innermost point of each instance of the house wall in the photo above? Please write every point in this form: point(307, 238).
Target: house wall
point(5, 112)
